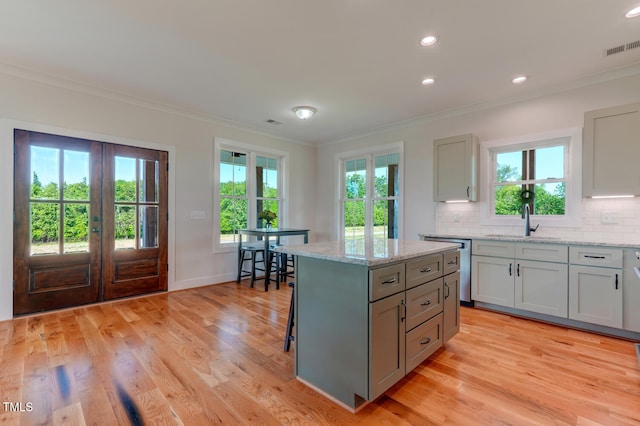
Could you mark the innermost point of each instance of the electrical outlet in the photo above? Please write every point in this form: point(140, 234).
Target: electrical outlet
point(609, 217)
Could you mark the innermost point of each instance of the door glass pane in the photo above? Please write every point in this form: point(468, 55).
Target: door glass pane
point(125, 179)
point(508, 199)
point(509, 166)
point(45, 173)
point(549, 199)
point(386, 175)
point(148, 226)
point(76, 175)
point(356, 178)
point(125, 227)
point(354, 219)
point(76, 228)
point(148, 180)
point(549, 163)
point(45, 228)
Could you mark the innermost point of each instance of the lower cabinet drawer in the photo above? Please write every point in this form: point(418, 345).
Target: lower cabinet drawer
point(423, 302)
point(423, 341)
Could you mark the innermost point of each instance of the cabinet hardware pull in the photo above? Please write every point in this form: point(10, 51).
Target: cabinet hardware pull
point(425, 270)
point(467, 192)
point(518, 270)
point(453, 262)
point(427, 303)
point(425, 341)
point(446, 296)
point(616, 281)
point(391, 281)
point(403, 315)
point(588, 256)
point(510, 274)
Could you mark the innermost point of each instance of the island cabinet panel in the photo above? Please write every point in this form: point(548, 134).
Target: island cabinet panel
point(388, 360)
point(451, 308)
point(332, 328)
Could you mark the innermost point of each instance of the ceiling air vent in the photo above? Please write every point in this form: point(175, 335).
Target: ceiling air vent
point(622, 48)
point(272, 121)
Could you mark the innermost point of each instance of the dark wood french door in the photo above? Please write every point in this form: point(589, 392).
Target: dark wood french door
point(90, 221)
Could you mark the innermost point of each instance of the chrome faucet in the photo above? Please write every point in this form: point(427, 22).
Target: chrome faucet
point(525, 215)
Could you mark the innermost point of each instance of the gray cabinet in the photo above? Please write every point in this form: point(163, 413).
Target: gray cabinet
point(631, 289)
point(451, 309)
point(387, 340)
point(595, 285)
point(528, 276)
point(455, 168)
point(611, 148)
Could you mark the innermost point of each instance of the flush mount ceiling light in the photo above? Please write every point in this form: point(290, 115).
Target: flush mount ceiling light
point(519, 79)
point(304, 112)
point(428, 81)
point(633, 12)
point(429, 40)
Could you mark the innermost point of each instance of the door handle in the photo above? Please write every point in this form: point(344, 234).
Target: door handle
point(446, 296)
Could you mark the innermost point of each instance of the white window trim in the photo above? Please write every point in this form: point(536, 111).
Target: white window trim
point(369, 154)
point(253, 151)
point(573, 178)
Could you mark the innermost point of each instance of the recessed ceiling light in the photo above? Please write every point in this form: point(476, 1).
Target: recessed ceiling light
point(519, 79)
point(304, 112)
point(633, 12)
point(429, 40)
point(428, 81)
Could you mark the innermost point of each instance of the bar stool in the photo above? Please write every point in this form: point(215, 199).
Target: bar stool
point(286, 266)
point(288, 338)
point(250, 252)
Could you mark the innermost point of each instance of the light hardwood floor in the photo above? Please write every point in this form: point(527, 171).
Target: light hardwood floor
point(214, 355)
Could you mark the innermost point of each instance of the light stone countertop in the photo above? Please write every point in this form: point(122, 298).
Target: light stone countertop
point(531, 239)
point(369, 252)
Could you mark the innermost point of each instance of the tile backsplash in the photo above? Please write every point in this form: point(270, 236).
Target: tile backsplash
point(602, 220)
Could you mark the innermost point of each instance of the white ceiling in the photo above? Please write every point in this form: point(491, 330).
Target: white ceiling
point(358, 62)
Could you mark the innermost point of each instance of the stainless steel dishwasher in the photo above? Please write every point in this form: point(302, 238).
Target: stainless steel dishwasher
point(465, 266)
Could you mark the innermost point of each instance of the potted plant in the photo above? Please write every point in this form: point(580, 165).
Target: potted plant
point(268, 216)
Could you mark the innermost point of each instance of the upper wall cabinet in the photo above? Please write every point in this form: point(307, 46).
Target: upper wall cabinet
point(455, 168)
point(611, 151)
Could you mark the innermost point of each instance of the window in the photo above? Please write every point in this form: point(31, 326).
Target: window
point(534, 176)
point(543, 171)
point(247, 182)
point(370, 195)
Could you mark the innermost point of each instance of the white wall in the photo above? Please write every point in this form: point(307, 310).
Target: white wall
point(543, 114)
point(48, 106)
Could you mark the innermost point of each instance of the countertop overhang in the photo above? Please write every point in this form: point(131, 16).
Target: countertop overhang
point(368, 252)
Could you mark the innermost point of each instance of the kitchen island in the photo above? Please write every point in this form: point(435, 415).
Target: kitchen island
point(367, 312)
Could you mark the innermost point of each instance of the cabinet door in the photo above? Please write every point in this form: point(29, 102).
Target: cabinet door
point(611, 151)
point(542, 287)
point(492, 280)
point(455, 168)
point(451, 310)
point(595, 295)
point(387, 344)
